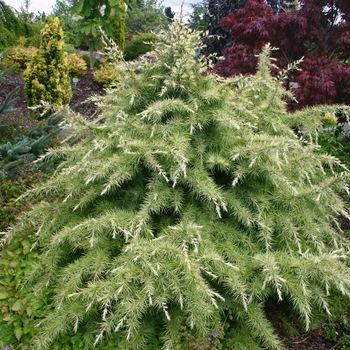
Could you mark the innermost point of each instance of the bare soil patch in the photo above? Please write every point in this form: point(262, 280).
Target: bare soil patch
point(85, 88)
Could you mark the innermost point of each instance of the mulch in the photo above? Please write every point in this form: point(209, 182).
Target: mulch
point(85, 88)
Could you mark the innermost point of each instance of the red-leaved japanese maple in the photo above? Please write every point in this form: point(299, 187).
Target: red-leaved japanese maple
point(319, 31)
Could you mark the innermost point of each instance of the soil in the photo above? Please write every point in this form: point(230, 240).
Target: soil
point(86, 88)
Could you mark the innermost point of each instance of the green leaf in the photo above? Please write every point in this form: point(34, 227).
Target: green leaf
point(112, 3)
point(27, 245)
point(86, 29)
point(29, 310)
point(93, 31)
point(87, 10)
point(78, 7)
point(17, 306)
point(3, 295)
point(18, 333)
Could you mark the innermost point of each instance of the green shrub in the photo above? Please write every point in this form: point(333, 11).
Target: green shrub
point(192, 205)
point(70, 48)
point(47, 78)
point(76, 65)
point(140, 44)
point(106, 74)
point(7, 38)
point(20, 54)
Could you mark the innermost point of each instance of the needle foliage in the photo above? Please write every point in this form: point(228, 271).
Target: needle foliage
point(46, 78)
point(191, 199)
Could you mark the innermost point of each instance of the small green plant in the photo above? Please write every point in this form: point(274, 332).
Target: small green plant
point(70, 48)
point(344, 342)
point(330, 333)
point(106, 74)
point(331, 136)
point(13, 187)
point(187, 341)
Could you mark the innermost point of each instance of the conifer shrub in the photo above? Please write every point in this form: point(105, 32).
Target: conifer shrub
point(192, 205)
point(119, 26)
point(47, 78)
point(20, 152)
point(12, 27)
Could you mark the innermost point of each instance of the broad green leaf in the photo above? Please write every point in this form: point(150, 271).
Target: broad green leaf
point(3, 295)
point(17, 306)
point(112, 3)
point(26, 246)
point(18, 333)
point(93, 31)
point(78, 7)
point(87, 10)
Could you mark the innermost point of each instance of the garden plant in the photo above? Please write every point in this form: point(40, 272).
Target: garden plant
point(47, 76)
point(183, 210)
point(317, 32)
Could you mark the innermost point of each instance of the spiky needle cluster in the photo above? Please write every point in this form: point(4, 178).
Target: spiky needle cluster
point(192, 199)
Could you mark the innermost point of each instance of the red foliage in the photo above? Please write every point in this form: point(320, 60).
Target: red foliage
point(319, 31)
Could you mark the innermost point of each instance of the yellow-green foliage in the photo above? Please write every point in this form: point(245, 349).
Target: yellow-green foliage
point(47, 76)
point(76, 65)
point(119, 27)
point(106, 74)
point(20, 55)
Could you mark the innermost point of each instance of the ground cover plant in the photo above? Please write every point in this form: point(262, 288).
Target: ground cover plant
point(183, 213)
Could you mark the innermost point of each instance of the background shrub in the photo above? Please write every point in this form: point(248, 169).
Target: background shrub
point(106, 74)
point(139, 44)
point(76, 65)
point(12, 27)
point(86, 58)
point(20, 54)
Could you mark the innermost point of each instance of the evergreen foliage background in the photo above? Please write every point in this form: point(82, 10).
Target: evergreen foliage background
point(193, 201)
point(12, 27)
